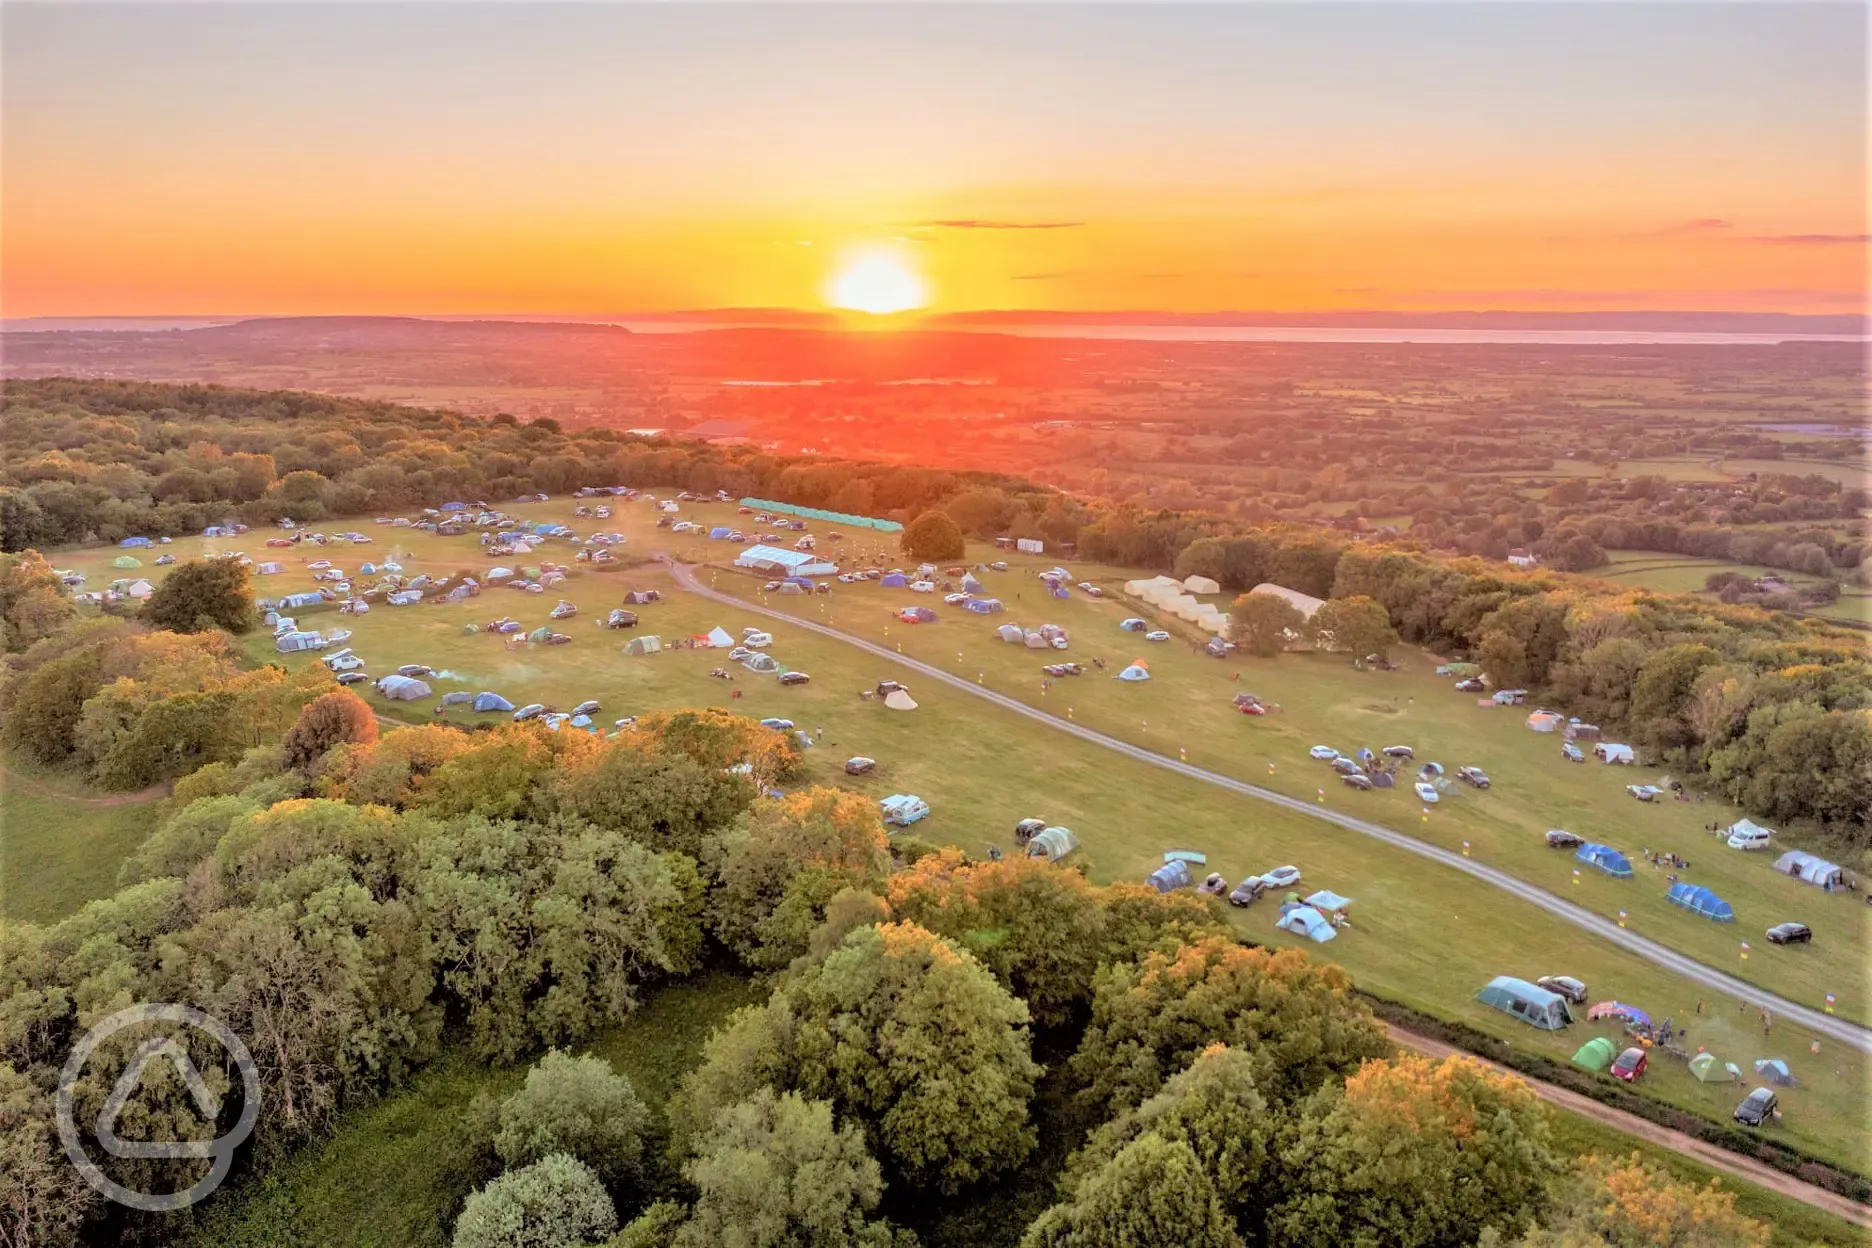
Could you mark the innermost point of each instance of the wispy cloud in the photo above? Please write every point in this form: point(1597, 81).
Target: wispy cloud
point(1811, 240)
point(1702, 225)
point(1040, 277)
point(981, 223)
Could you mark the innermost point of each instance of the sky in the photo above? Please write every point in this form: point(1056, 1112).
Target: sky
point(196, 158)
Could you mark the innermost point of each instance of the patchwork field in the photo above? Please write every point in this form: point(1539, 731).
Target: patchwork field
point(1420, 933)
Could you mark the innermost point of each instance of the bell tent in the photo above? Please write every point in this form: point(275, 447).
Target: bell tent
point(898, 700)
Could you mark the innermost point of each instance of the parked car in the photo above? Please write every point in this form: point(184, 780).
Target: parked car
point(1560, 838)
point(1427, 792)
point(1758, 1108)
point(587, 707)
point(1157, 634)
point(1248, 891)
point(1398, 751)
point(887, 687)
point(777, 724)
point(1325, 753)
point(1473, 775)
point(1644, 792)
point(794, 678)
point(1568, 987)
point(1347, 767)
point(1356, 780)
point(1790, 934)
point(1472, 685)
point(1092, 590)
point(860, 766)
point(1213, 885)
point(352, 678)
point(1572, 753)
point(1027, 829)
point(999, 565)
point(1630, 1064)
point(1281, 877)
point(415, 669)
point(529, 711)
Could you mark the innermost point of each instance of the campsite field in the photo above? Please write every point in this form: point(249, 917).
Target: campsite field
point(1421, 934)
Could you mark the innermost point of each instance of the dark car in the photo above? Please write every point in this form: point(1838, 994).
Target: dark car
point(1566, 986)
point(1473, 775)
point(1572, 753)
point(352, 678)
point(1630, 1064)
point(1347, 767)
point(1758, 1108)
point(1248, 891)
point(1399, 751)
point(1560, 838)
point(794, 678)
point(860, 765)
point(886, 687)
point(1471, 685)
point(1356, 781)
point(1027, 829)
point(1790, 934)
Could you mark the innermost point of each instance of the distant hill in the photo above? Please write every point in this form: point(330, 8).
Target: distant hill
point(1638, 322)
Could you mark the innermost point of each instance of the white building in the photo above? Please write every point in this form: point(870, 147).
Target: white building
point(778, 561)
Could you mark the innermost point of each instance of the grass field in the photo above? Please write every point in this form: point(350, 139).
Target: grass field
point(1845, 472)
point(59, 847)
point(1422, 934)
point(1673, 469)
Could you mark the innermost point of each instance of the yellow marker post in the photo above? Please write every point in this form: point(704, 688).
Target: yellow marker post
point(1465, 849)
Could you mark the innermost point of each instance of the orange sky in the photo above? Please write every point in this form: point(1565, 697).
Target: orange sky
point(461, 159)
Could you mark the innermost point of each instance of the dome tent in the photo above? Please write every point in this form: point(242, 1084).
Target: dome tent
point(491, 702)
point(1137, 671)
point(1011, 632)
point(1308, 922)
point(1596, 1054)
point(1708, 1069)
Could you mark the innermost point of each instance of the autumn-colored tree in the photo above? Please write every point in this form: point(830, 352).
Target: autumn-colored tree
point(718, 740)
point(1611, 1202)
point(33, 602)
point(1263, 623)
point(337, 718)
point(202, 594)
point(933, 535)
point(392, 770)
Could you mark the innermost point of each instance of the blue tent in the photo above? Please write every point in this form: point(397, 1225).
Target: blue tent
point(367, 569)
point(1059, 591)
point(1133, 625)
point(1308, 922)
point(1605, 858)
point(491, 702)
point(801, 581)
point(1170, 876)
point(720, 532)
point(1137, 671)
point(454, 506)
point(970, 585)
point(893, 580)
point(983, 606)
point(136, 541)
point(1699, 900)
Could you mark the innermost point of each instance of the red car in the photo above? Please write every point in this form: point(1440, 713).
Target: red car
point(1630, 1064)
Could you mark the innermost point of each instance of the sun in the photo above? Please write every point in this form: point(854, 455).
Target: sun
point(878, 282)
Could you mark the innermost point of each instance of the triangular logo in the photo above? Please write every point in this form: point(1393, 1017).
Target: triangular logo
point(127, 1083)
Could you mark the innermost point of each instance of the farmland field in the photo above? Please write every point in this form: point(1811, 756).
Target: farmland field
point(1846, 472)
point(1421, 934)
point(1672, 469)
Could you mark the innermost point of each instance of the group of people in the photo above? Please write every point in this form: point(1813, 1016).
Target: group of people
point(1665, 858)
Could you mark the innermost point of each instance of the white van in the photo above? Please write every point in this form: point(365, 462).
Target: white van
point(1748, 835)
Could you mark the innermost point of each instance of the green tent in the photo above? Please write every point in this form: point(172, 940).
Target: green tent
point(471, 628)
point(539, 634)
point(1709, 1070)
point(126, 561)
point(1595, 1054)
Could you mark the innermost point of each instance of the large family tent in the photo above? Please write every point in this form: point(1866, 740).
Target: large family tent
point(1529, 1003)
point(1133, 625)
point(894, 580)
point(292, 643)
point(1201, 585)
point(1811, 870)
point(270, 567)
point(970, 585)
point(1137, 671)
point(126, 561)
point(764, 663)
point(1308, 922)
point(643, 645)
point(1606, 859)
point(1596, 1054)
point(1699, 900)
point(1544, 721)
point(778, 560)
point(403, 688)
point(1708, 1068)
point(136, 541)
point(983, 606)
point(1012, 632)
point(1052, 844)
point(899, 700)
point(491, 702)
point(1172, 875)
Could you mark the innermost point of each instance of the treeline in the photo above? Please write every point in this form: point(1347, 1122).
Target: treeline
point(350, 904)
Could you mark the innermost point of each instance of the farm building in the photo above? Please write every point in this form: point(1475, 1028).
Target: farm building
point(1532, 1005)
point(779, 561)
point(1811, 870)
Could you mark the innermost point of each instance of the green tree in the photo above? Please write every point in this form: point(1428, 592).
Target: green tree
point(1357, 626)
point(43, 1201)
point(900, 1030)
point(1631, 1203)
point(1295, 1018)
point(33, 601)
point(336, 718)
point(45, 705)
point(1153, 1194)
point(202, 594)
point(578, 1106)
point(774, 1171)
point(557, 1202)
point(933, 535)
point(1662, 691)
point(1477, 1156)
point(1261, 623)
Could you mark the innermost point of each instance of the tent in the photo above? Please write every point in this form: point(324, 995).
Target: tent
point(539, 634)
point(792, 587)
point(983, 606)
point(1616, 1009)
point(1708, 1069)
point(491, 702)
point(1776, 1071)
point(1811, 870)
point(720, 532)
point(458, 697)
point(761, 663)
point(270, 568)
point(1596, 1054)
point(643, 645)
point(1606, 859)
point(494, 574)
point(1308, 922)
point(370, 569)
point(1201, 585)
point(136, 541)
point(898, 700)
point(1052, 844)
point(126, 561)
point(1172, 875)
point(581, 721)
point(1544, 721)
point(718, 637)
point(405, 597)
point(292, 643)
point(1327, 901)
point(1699, 900)
point(1011, 632)
point(1137, 671)
point(970, 585)
point(894, 580)
point(403, 688)
point(1036, 640)
point(1532, 1005)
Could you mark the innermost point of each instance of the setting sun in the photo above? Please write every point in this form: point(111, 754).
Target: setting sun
point(878, 282)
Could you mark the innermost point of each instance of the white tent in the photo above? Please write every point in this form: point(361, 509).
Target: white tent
point(403, 688)
point(719, 638)
point(898, 700)
point(1307, 603)
point(1011, 632)
point(1201, 585)
point(1810, 870)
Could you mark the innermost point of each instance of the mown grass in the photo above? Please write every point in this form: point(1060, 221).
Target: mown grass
point(1422, 934)
point(58, 851)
